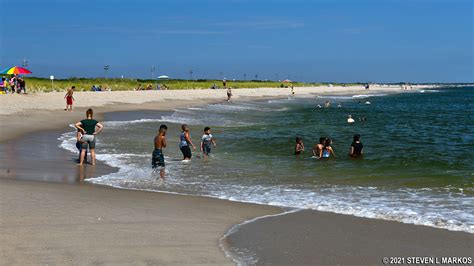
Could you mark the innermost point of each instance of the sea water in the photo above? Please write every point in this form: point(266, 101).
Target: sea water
point(418, 166)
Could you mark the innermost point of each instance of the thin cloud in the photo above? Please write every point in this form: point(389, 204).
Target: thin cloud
point(124, 30)
point(261, 24)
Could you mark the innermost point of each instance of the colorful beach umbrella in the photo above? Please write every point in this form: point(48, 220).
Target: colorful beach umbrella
point(287, 81)
point(16, 70)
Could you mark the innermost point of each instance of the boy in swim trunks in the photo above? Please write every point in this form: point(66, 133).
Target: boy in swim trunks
point(158, 159)
point(206, 142)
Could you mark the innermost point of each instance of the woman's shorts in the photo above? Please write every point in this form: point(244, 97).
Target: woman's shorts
point(186, 150)
point(88, 141)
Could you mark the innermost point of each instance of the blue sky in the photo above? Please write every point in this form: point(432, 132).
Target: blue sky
point(330, 40)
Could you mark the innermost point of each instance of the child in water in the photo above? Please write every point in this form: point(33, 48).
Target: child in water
point(158, 159)
point(299, 147)
point(319, 147)
point(79, 145)
point(357, 149)
point(206, 142)
point(327, 151)
point(185, 142)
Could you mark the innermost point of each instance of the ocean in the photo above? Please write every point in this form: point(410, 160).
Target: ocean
point(417, 167)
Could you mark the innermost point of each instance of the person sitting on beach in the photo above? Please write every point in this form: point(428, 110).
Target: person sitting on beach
point(79, 145)
point(185, 142)
point(229, 94)
point(357, 149)
point(89, 128)
point(327, 150)
point(299, 146)
point(69, 99)
point(350, 120)
point(206, 142)
point(158, 159)
point(149, 87)
point(319, 147)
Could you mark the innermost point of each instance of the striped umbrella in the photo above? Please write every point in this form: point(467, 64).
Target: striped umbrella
point(15, 71)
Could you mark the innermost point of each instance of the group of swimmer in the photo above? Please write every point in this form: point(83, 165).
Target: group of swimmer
point(185, 144)
point(323, 149)
point(89, 128)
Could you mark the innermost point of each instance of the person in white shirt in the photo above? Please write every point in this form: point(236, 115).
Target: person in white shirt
point(350, 119)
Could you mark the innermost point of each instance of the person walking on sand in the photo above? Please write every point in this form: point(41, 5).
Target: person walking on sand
point(299, 146)
point(69, 99)
point(89, 128)
point(206, 142)
point(229, 94)
point(185, 142)
point(157, 158)
point(357, 149)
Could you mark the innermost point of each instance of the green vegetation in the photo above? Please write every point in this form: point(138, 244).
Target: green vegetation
point(34, 84)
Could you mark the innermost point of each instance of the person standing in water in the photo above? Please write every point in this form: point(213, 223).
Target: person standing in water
point(327, 151)
point(89, 128)
point(69, 99)
point(357, 149)
point(185, 142)
point(319, 147)
point(299, 146)
point(206, 142)
point(229, 94)
point(350, 120)
point(158, 159)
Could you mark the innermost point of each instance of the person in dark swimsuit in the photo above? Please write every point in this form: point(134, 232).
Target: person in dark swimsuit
point(185, 142)
point(357, 149)
point(299, 147)
point(158, 159)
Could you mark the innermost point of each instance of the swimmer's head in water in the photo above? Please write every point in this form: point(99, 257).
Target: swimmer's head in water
point(327, 142)
point(349, 116)
point(299, 140)
point(322, 140)
point(89, 113)
point(356, 137)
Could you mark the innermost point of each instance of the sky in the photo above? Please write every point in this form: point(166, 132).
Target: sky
point(325, 41)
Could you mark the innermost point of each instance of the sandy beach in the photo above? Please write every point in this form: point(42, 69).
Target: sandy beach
point(69, 221)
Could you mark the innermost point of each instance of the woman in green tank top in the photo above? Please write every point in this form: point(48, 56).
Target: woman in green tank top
point(89, 128)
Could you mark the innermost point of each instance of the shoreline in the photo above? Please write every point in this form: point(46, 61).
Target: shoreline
point(167, 105)
point(45, 111)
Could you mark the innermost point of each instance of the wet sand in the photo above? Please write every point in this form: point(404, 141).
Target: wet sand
point(320, 238)
point(59, 224)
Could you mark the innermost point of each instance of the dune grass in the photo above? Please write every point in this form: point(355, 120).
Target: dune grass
point(35, 84)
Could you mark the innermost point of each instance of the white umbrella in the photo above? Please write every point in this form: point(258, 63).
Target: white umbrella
point(163, 77)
